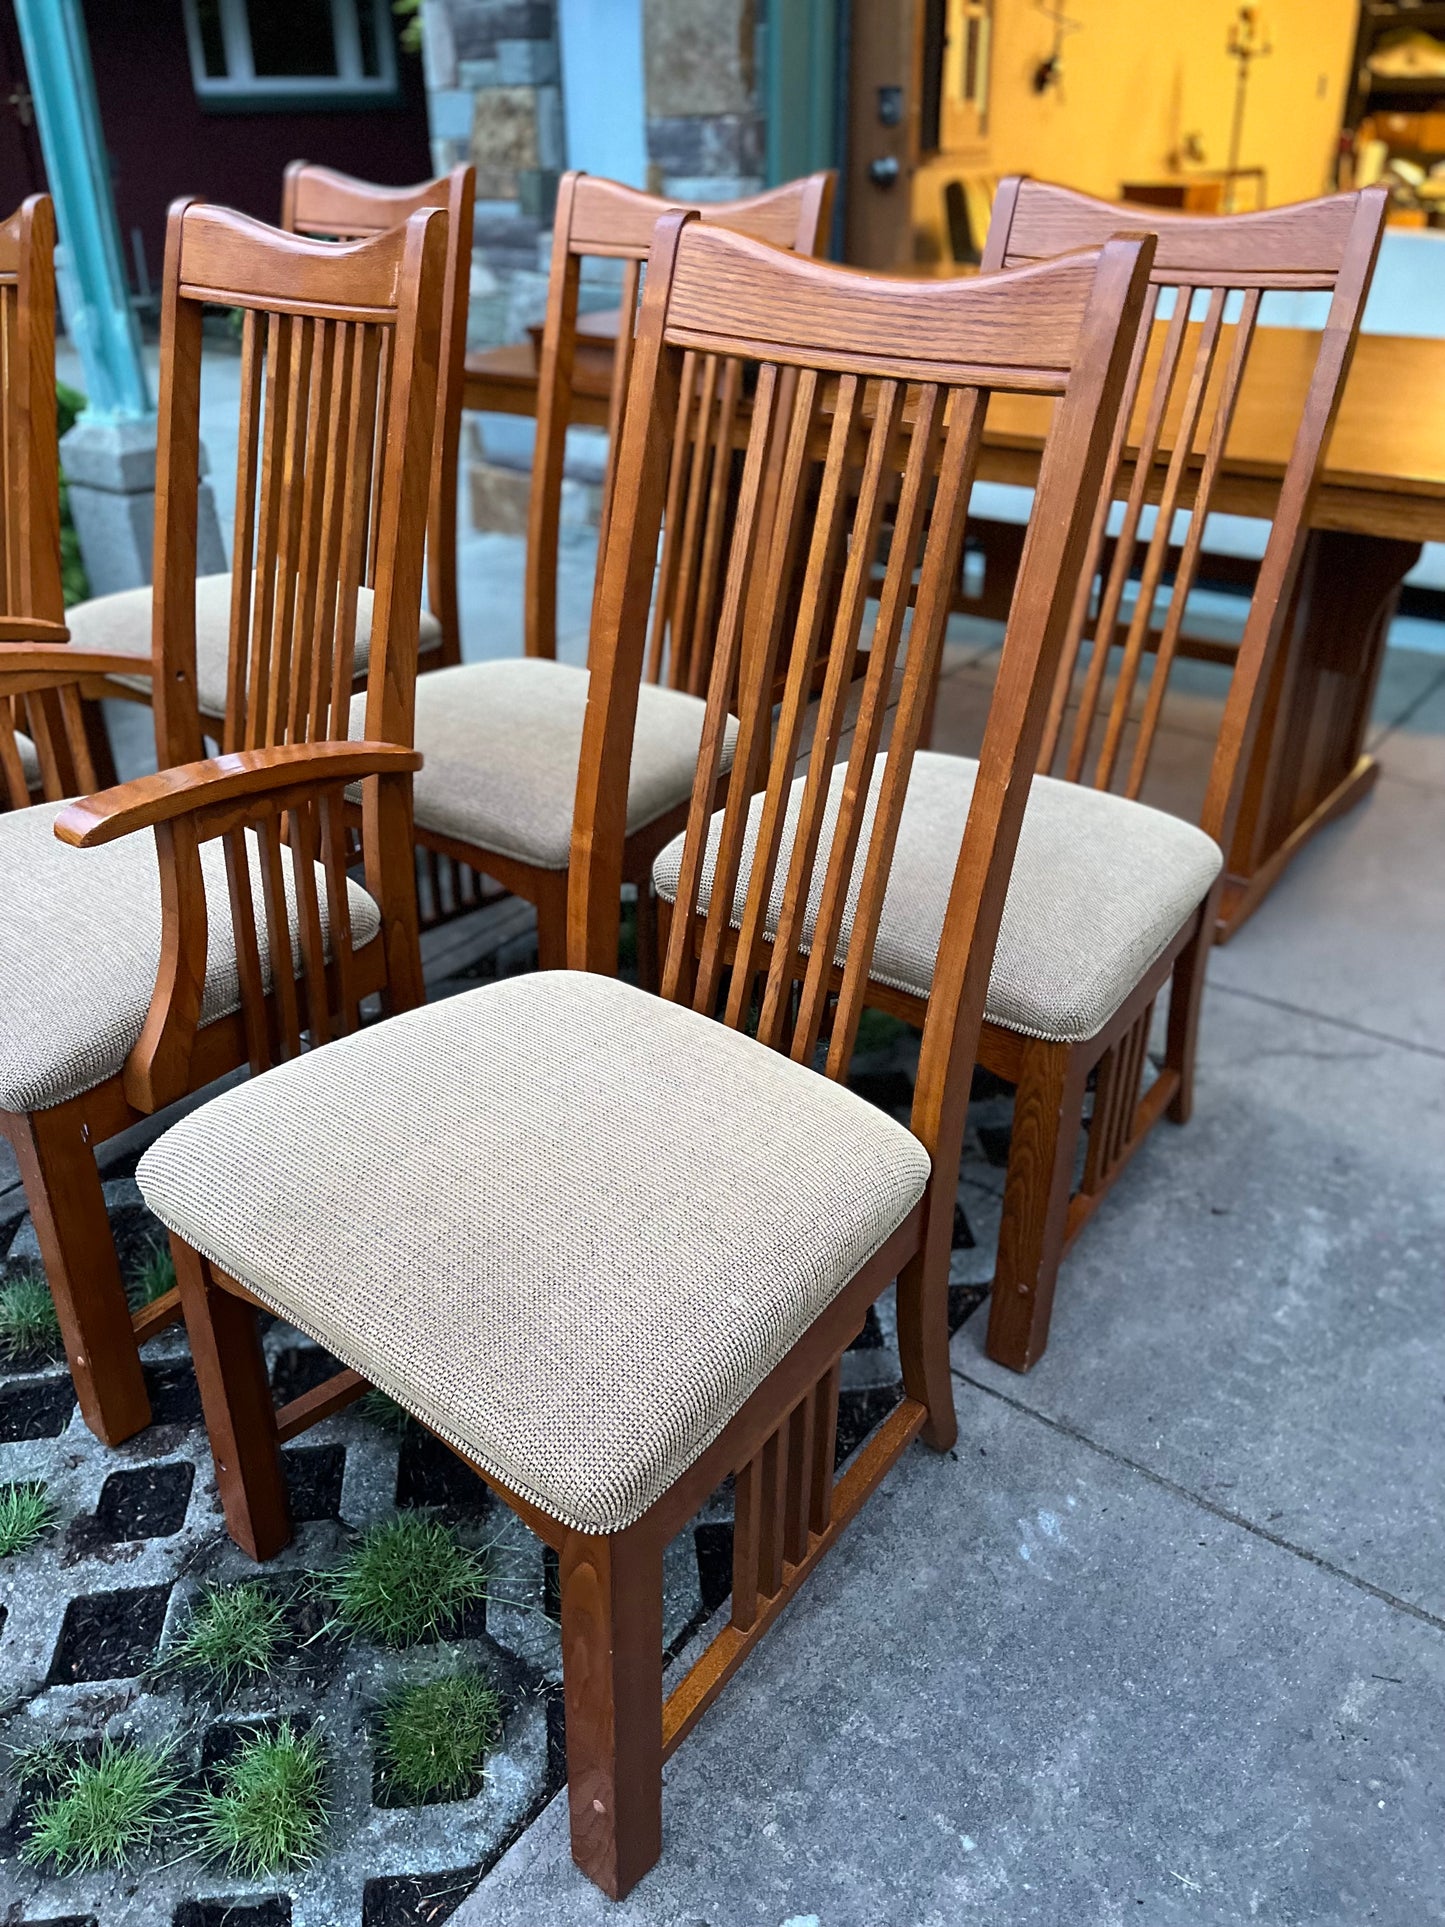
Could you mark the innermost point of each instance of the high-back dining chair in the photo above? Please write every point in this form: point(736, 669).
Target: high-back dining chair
point(136, 970)
point(611, 1246)
point(1112, 902)
point(501, 739)
point(325, 205)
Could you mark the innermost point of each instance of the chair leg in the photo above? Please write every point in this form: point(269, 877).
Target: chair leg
point(1186, 999)
point(649, 953)
point(923, 1343)
point(236, 1401)
point(1048, 1118)
point(67, 1205)
point(612, 1689)
point(552, 923)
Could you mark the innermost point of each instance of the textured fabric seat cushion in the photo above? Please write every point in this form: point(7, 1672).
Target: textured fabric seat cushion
point(122, 623)
point(502, 742)
point(29, 758)
point(1099, 886)
point(569, 1225)
point(80, 943)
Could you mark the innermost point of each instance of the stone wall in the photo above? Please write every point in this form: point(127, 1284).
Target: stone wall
point(704, 119)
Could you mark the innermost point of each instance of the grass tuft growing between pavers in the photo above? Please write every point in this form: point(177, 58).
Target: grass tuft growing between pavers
point(405, 1581)
point(270, 1811)
point(432, 1740)
point(29, 1327)
point(153, 1277)
point(106, 1812)
point(234, 1634)
point(27, 1513)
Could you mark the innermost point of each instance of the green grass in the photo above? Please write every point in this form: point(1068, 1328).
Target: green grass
point(405, 1581)
point(103, 1813)
point(233, 1634)
point(41, 1768)
point(383, 1412)
point(153, 1277)
point(432, 1740)
point(28, 1325)
point(270, 1811)
point(27, 1512)
point(877, 1030)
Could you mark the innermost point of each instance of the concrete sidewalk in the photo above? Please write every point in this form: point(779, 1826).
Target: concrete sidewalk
point(1164, 1641)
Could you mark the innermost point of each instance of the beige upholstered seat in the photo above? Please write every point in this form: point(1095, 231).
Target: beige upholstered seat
point(502, 742)
point(29, 758)
point(1099, 887)
point(121, 623)
point(571, 1226)
point(80, 943)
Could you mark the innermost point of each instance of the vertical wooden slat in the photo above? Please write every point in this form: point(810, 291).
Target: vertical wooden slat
point(361, 443)
point(665, 599)
point(238, 847)
point(251, 735)
point(617, 397)
point(747, 1539)
point(703, 623)
point(338, 909)
point(11, 768)
point(337, 458)
point(303, 840)
point(825, 1440)
point(690, 558)
point(797, 1522)
point(243, 539)
point(773, 1511)
point(278, 940)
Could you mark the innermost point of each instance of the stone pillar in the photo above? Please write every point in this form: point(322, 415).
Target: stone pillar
point(704, 113)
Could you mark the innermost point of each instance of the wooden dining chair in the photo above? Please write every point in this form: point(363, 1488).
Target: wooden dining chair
point(610, 1246)
point(1112, 902)
point(501, 739)
point(136, 972)
point(325, 205)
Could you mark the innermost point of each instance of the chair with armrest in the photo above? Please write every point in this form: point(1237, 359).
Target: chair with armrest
point(136, 972)
point(610, 1246)
point(325, 205)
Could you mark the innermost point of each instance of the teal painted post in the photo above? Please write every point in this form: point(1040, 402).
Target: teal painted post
point(96, 304)
point(801, 55)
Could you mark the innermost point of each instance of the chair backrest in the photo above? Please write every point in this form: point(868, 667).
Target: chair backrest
point(32, 601)
point(340, 345)
point(1210, 273)
point(327, 205)
point(863, 382)
point(602, 220)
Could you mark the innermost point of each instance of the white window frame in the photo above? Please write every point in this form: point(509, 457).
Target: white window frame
point(242, 86)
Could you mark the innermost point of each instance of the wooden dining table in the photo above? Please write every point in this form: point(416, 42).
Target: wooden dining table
point(1381, 496)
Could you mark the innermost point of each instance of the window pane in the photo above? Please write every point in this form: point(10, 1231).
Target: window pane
point(213, 44)
point(366, 27)
point(292, 37)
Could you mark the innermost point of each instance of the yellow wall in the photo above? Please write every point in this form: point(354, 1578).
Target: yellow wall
point(1142, 74)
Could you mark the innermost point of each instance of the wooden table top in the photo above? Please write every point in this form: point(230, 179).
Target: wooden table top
point(1384, 471)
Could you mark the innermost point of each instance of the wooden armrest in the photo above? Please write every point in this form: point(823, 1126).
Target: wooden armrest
point(32, 629)
point(60, 664)
point(224, 779)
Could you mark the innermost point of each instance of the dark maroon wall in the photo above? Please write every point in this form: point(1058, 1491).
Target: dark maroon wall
point(161, 142)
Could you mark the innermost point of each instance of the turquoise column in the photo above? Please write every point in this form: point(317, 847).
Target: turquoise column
point(94, 296)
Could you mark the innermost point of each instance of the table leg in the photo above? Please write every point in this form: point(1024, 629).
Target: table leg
point(1309, 763)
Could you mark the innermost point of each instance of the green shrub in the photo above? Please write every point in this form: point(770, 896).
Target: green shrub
point(270, 1812)
point(405, 1581)
point(103, 1813)
point(29, 1327)
point(74, 582)
point(26, 1514)
point(432, 1740)
point(232, 1635)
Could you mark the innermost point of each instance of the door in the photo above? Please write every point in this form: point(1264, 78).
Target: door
point(894, 79)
